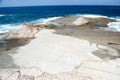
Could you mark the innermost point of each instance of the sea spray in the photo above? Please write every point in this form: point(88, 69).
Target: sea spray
point(91, 15)
point(1, 15)
point(96, 16)
point(44, 20)
point(114, 26)
point(8, 27)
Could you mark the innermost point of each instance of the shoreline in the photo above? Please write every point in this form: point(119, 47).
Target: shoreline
point(68, 35)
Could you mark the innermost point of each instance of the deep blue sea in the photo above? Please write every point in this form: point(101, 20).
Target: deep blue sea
point(13, 17)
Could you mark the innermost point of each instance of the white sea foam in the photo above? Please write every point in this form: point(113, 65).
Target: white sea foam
point(116, 18)
point(45, 20)
point(50, 19)
point(98, 16)
point(8, 27)
point(114, 26)
point(1, 15)
point(91, 15)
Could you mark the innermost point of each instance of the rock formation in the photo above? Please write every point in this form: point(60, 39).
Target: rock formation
point(27, 31)
point(89, 69)
point(80, 21)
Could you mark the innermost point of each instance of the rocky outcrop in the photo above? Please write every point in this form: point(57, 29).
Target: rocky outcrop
point(80, 21)
point(71, 21)
point(99, 22)
point(27, 31)
point(84, 21)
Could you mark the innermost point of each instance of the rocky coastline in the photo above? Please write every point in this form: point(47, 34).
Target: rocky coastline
point(104, 65)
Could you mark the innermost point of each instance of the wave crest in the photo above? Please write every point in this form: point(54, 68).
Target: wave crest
point(8, 27)
point(91, 15)
point(1, 15)
point(114, 26)
point(98, 16)
point(45, 20)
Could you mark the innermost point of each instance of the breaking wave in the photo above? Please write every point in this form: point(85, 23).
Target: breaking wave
point(9, 27)
point(2, 15)
point(114, 26)
point(97, 16)
point(45, 20)
point(91, 15)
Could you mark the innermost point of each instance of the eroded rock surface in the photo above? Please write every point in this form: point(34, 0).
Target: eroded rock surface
point(80, 21)
point(88, 69)
point(27, 31)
